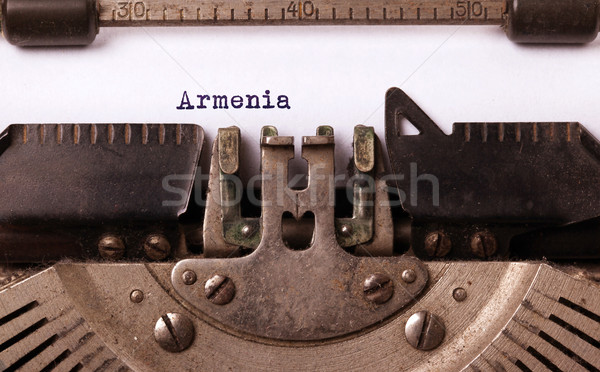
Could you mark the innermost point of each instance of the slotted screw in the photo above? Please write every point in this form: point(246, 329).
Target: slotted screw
point(174, 332)
point(484, 244)
point(437, 244)
point(219, 290)
point(378, 288)
point(424, 331)
point(157, 247)
point(111, 247)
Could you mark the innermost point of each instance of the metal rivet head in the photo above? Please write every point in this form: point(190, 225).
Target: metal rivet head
point(111, 247)
point(189, 277)
point(483, 244)
point(174, 332)
point(378, 288)
point(459, 294)
point(136, 296)
point(424, 331)
point(248, 231)
point(346, 230)
point(437, 244)
point(219, 290)
point(157, 247)
point(409, 276)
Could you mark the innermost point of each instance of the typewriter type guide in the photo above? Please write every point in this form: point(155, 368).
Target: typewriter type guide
point(490, 264)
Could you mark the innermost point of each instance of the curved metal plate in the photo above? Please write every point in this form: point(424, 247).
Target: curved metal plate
point(300, 295)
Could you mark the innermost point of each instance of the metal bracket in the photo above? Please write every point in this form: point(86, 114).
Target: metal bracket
point(273, 291)
point(225, 230)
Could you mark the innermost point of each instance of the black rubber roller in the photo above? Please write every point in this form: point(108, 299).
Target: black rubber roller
point(49, 22)
point(552, 21)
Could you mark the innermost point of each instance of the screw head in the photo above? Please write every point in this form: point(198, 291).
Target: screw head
point(248, 231)
point(189, 277)
point(219, 290)
point(484, 244)
point(136, 296)
point(157, 247)
point(409, 276)
point(437, 244)
point(459, 294)
point(378, 288)
point(111, 247)
point(424, 331)
point(174, 332)
point(346, 230)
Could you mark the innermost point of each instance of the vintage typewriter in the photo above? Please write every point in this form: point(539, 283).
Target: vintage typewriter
point(474, 251)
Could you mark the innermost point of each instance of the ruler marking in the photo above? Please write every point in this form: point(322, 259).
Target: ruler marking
point(317, 14)
point(93, 134)
point(114, 15)
point(161, 134)
point(351, 13)
point(215, 14)
point(164, 14)
point(368, 13)
point(232, 14)
point(266, 14)
point(144, 134)
point(282, 13)
point(435, 13)
point(384, 13)
point(419, 14)
point(127, 134)
point(178, 134)
point(181, 14)
point(333, 13)
point(401, 13)
point(76, 134)
point(485, 14)
point(451, 13)
point(249, 14)
point(484, 132)
point(147, 14)
point(198, 14)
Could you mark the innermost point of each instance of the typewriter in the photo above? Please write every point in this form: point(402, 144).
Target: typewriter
point(473, 251)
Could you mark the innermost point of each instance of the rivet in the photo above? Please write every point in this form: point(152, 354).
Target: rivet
point(459, 294)
point(248, 231)
point(409, 275)
point(136, 296)
point(346, 230)
point(188, 277)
